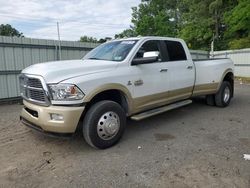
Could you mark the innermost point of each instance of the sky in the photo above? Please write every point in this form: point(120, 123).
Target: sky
point(96, 18)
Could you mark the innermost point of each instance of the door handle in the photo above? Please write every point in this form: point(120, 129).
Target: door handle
point(190, 67)
point(163, 70)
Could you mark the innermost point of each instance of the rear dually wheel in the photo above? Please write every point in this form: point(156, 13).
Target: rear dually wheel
point(224, 95)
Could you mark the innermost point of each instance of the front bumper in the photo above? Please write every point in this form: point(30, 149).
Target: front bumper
point(40, 116)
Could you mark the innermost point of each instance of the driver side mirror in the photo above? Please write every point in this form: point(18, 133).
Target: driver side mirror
point(151, 54)
point(148, 57)
point(144, 60)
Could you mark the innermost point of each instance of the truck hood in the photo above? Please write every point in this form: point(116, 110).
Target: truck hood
point(58, 71)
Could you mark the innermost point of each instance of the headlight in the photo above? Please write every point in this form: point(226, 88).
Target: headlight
point(65, 92)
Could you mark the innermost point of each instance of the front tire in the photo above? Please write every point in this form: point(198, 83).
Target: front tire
point(104, 124)
point(224, 95)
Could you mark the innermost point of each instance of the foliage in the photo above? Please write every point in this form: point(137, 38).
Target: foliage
point(238, 25)
point(126, 33)
point(203, 23)
point(93, 39)
point(88, 39)
point(8, 30)
point(155, 17)
point(196, 29)
point(226, 22)
point(240, 43)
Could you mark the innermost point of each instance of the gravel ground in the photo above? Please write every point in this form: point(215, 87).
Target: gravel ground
point(194, 146)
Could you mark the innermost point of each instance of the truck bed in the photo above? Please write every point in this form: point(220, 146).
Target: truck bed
point(208, 74)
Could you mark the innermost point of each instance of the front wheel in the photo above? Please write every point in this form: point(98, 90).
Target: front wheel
point(224, 95)
point(104, 124)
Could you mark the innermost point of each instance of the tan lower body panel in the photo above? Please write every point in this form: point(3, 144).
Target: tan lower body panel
point(71, 117)
point(152, 101)
point(160, 99)
point(205, 89)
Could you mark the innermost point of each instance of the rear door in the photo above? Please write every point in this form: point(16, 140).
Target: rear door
point(181, 71)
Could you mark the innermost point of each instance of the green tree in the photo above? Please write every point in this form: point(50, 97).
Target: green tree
point(195, 21)
point(203, 22)
point(88, 39)
point(226, 22)
point(217, 10)
point(156, 17)
point(126, 33)
point(196, 28)
point(238, 25)
point(94, 40)
point(8, 30)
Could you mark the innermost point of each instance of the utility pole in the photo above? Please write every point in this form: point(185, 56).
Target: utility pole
point(59, 41)
point(212, 47)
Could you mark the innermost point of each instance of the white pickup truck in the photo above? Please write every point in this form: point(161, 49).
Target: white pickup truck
point(133, 77)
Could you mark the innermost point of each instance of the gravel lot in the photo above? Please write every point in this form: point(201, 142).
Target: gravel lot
point(194, 146)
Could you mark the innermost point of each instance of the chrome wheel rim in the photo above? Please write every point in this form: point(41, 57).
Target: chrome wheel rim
point(226, 94)
point(108, 125)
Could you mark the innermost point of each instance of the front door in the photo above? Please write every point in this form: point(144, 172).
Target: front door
point(150, 81)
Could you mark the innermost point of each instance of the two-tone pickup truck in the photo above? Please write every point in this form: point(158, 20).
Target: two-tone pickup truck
point(133, 77)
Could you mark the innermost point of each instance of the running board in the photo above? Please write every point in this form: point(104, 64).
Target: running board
point(160, 110)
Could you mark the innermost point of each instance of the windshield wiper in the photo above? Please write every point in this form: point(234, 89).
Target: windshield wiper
point(94, 58)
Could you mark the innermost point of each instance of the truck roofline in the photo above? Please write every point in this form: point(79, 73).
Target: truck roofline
point(148, 37)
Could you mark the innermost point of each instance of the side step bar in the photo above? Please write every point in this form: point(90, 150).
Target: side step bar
point(160, 110)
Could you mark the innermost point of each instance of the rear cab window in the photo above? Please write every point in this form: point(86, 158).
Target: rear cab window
point(175, 51)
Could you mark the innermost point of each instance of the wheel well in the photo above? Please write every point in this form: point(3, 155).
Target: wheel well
point(113, 95)
point(230, 78)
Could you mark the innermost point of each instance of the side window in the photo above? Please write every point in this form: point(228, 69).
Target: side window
point(149, 49)
point(176, 51)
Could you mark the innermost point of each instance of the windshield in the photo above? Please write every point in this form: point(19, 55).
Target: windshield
point(112, 51)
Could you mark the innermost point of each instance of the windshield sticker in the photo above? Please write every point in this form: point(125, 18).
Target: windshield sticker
point(118, 58)
point(128, 42)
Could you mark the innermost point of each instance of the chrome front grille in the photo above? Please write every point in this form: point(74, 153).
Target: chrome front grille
point(34, 89)
point(33, 82)
point(37, 95)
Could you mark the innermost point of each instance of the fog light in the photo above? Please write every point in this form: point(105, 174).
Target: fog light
point(56, 117)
